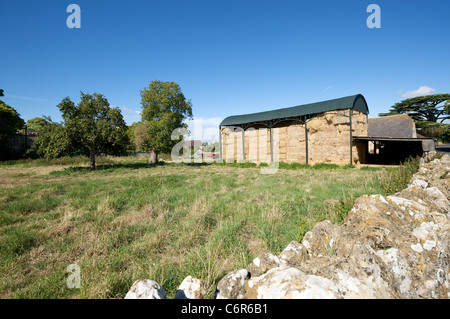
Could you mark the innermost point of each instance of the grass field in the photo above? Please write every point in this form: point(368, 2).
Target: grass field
point(128, 220)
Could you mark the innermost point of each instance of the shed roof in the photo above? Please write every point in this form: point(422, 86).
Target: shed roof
point(394, 126)
point(356, 102)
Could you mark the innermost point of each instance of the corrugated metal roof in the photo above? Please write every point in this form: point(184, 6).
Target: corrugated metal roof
point(356, 102)
point(394, 126)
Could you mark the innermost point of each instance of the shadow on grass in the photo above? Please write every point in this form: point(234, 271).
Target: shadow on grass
point(194, 164)
point(108, 168)
point(105, 168)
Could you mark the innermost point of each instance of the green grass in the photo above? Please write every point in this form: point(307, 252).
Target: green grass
point(395, 179)
point(282, 165)
point(128, 220)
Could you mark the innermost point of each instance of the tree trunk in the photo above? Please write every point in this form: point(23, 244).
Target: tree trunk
point(92, 156)
point(153, 159)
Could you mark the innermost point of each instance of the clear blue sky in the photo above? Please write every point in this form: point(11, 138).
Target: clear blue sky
point(229, 57)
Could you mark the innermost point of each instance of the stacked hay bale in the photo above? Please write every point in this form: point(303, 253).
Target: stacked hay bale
point(328, 140)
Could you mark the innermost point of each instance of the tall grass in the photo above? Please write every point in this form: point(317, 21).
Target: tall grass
point(129, 220)
point(395, 179)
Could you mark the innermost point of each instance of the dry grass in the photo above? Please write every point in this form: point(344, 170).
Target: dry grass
point(128, 221)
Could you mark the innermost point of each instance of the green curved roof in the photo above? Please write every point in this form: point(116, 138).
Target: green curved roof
point(356, 102)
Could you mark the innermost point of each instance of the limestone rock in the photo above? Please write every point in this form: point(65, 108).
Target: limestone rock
point(293, 255)
point(146, 289)
point(432, 197)
point(352, 287)
point(438, 198)
point(436, 173)
point(321, 240)
point(262, 264)
point(419, 182)
point(399, 267)
point(290, 283)
point(232, 285)
point(191, 288)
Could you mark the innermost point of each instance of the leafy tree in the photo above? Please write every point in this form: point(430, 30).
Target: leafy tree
point(140, 137)
point(424, 108)
point(10, 123)
point(10, 120)
point(94, 126)
point(164, 108)
point(1, 92)
point(38, 123)
point(52, 140)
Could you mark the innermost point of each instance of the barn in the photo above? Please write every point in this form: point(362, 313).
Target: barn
point(311, 133)
point(336, 131)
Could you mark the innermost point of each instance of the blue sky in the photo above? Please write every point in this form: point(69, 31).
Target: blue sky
point(229, 57)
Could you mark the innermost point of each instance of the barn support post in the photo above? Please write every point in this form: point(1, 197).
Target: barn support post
point(243, 144)
point(220, 144)
point(306, 142)
point(351, 138)
point(271, 143)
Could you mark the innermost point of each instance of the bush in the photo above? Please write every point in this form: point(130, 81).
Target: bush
point(395, 179)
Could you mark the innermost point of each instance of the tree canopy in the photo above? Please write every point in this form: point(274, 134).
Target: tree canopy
point(51, 141)
point(140, 137)
point(432, 108)
point(10, 120)
point(10, 123)
point(37, 124)
point(94, 126)
point(164, 109)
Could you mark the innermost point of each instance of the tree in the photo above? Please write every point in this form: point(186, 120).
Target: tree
point(140, 137)
point(10, 120)
point(94, 126)
point(424, 108)
point(51, 141)
point(164, 108)
point(10, 123)
point(37, 124)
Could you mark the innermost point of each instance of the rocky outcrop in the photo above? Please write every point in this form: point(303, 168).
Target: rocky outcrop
point(388, 247)
point(191, 288)
point(146, 289)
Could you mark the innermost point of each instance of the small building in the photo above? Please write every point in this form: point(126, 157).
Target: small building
point(336, 131)
point(22, 140)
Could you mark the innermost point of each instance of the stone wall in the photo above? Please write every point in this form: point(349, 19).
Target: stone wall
point(328, 140)
point(388, 247)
